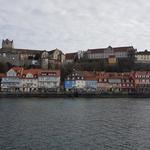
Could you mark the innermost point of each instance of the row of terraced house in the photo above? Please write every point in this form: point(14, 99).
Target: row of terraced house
point(18, 79)
point(106, 82)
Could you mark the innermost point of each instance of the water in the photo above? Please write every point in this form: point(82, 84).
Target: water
point(74, 124)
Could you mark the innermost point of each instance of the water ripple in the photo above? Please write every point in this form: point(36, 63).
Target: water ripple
point(77, 124)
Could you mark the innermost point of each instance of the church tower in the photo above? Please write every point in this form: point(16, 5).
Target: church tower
point(7, 44)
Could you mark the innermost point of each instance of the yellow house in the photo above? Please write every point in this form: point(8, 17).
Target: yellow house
point(112, 60)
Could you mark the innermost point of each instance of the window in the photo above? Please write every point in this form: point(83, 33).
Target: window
point(4, 54)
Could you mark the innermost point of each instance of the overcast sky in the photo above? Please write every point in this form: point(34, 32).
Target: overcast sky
point(73, 25)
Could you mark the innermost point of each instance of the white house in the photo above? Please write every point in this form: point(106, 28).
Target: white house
point(49, 80)
point(80, 84)
point(19, 79)
point(12, 81)
point(29, 80)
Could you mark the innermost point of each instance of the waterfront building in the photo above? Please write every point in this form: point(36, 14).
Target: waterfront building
point(2, 75)
point(23, 80)
point(49, 80)
point(75, 81)
point(11, 82)
point(102, 85)
point(90, 82)
point(29, 80)
point(81, 81)
point(109, 82)
point(142, 81)
point(69, 84)
point(127, 82)
point(115, 82)
point(114, 79)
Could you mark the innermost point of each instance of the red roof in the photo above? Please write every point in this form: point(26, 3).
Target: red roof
point(35, 72)
point(18, 69)
point(88, 75)
point(2, 75)
point(55, 73)
point(32, 71)
point(90, 78)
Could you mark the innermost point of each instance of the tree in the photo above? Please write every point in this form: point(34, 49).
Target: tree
point(4, 67)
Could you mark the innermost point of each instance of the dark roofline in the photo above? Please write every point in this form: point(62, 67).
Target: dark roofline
point(143, 53)
point(96, 50)
point(20, 50)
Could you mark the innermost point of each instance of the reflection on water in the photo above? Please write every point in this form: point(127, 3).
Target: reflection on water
point(75, 124)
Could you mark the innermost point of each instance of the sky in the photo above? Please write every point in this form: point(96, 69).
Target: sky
point(72, 25)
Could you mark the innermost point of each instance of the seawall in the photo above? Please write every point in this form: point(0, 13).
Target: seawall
point(73, 95)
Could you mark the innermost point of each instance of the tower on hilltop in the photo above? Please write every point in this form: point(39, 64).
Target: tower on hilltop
point(7, 44)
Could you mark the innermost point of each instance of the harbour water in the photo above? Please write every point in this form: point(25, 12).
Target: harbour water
point(74, 124)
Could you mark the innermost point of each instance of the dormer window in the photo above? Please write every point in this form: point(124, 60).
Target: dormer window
point(23, 75)
point(35, 76)
point(18, 74)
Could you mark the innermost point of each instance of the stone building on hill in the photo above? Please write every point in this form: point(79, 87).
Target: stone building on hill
point(52, 59)
point(112, 55)
point(19, 57)
point(7, 44)
point(143, 57)
point(105, 53)
point(29, 57)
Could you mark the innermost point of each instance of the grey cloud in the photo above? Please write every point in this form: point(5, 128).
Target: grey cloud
point(72, 25)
